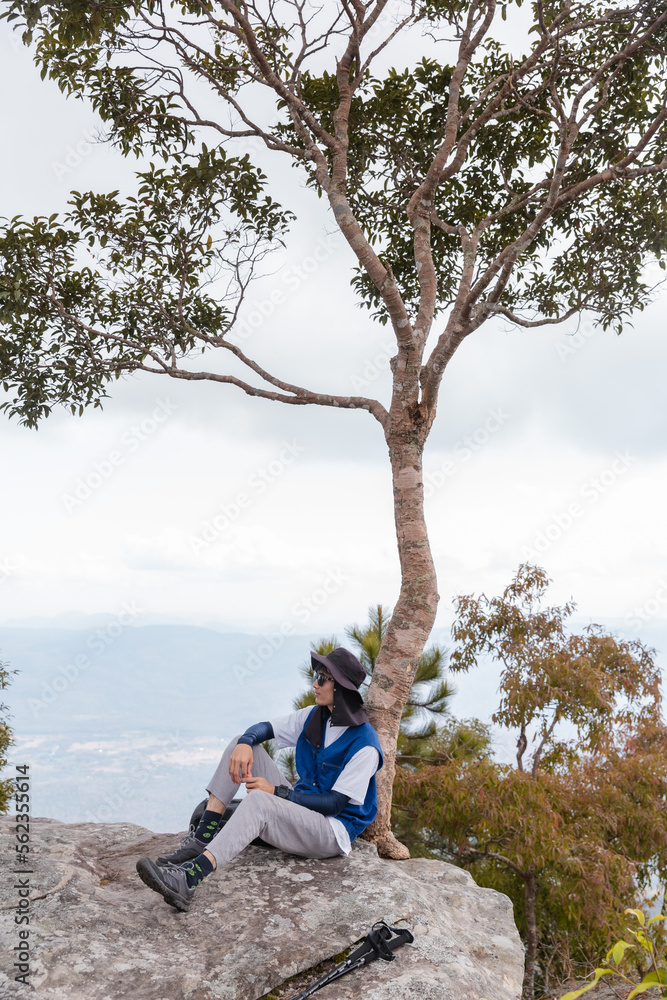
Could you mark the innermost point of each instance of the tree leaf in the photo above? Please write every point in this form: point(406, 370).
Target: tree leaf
point(649, 982)
point(619, 950)
point(599, 973)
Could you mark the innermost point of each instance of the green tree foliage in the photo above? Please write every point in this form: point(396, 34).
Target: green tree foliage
point(397, 126)
point(556, 158)
point(643, 958)
point(140, 268)
point(6, 740)
point(579, 822)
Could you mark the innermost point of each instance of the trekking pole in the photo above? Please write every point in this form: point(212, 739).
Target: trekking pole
point(379, 943)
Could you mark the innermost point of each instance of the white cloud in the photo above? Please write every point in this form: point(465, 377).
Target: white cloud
point(131, 535)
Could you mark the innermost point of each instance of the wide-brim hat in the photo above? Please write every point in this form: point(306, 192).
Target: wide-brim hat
point(343, 666)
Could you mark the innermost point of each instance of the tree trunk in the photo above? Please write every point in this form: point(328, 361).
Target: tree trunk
point(531, 937)
point(408, 630)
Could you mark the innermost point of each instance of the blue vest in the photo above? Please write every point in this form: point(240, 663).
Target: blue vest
point(319, 770)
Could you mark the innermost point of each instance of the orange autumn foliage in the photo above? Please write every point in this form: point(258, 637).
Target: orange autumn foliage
point(574, 826)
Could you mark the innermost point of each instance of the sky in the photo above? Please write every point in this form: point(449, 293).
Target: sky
point(193, 503)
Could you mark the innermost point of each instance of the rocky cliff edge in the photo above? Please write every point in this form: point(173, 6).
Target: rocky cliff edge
point(97, 933)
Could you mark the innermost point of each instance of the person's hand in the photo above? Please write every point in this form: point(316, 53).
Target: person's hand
point(252, 784)
point(240, 762)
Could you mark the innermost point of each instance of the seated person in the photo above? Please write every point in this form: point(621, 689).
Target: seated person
point(337, 755)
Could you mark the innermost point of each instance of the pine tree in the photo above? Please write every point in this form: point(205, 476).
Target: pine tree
point(427, 729)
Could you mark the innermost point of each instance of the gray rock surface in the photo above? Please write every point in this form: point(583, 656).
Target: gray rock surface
point(97, 933)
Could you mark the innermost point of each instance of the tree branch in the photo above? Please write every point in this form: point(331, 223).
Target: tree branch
point(538, 752)
point(300, 395)
point(547, 321)
point(491, 855)
point(521, 745)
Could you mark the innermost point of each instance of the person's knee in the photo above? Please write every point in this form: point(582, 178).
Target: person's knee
point(259, 751)
point(226, 753)
point(257, 801)
point(251, 801)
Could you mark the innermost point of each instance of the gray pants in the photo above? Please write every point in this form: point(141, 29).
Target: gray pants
point(292, 828)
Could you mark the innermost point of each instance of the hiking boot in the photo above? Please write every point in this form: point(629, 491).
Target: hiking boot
point(190, 848)
point(169, 880)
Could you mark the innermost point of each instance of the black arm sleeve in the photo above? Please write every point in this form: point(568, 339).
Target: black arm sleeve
point(327, 803)
point(258, 733)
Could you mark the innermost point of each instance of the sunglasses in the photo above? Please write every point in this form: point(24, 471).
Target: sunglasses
point(321, 679)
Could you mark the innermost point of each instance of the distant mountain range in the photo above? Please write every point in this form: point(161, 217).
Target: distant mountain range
point(148, 677)
point(78, 620)
point(122, 722)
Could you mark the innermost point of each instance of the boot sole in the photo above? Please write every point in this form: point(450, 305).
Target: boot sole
point(150, 876)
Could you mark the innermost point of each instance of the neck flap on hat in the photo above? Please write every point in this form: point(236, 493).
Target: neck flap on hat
point(348, 710)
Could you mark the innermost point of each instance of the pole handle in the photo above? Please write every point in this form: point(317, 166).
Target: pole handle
point(403, 936)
